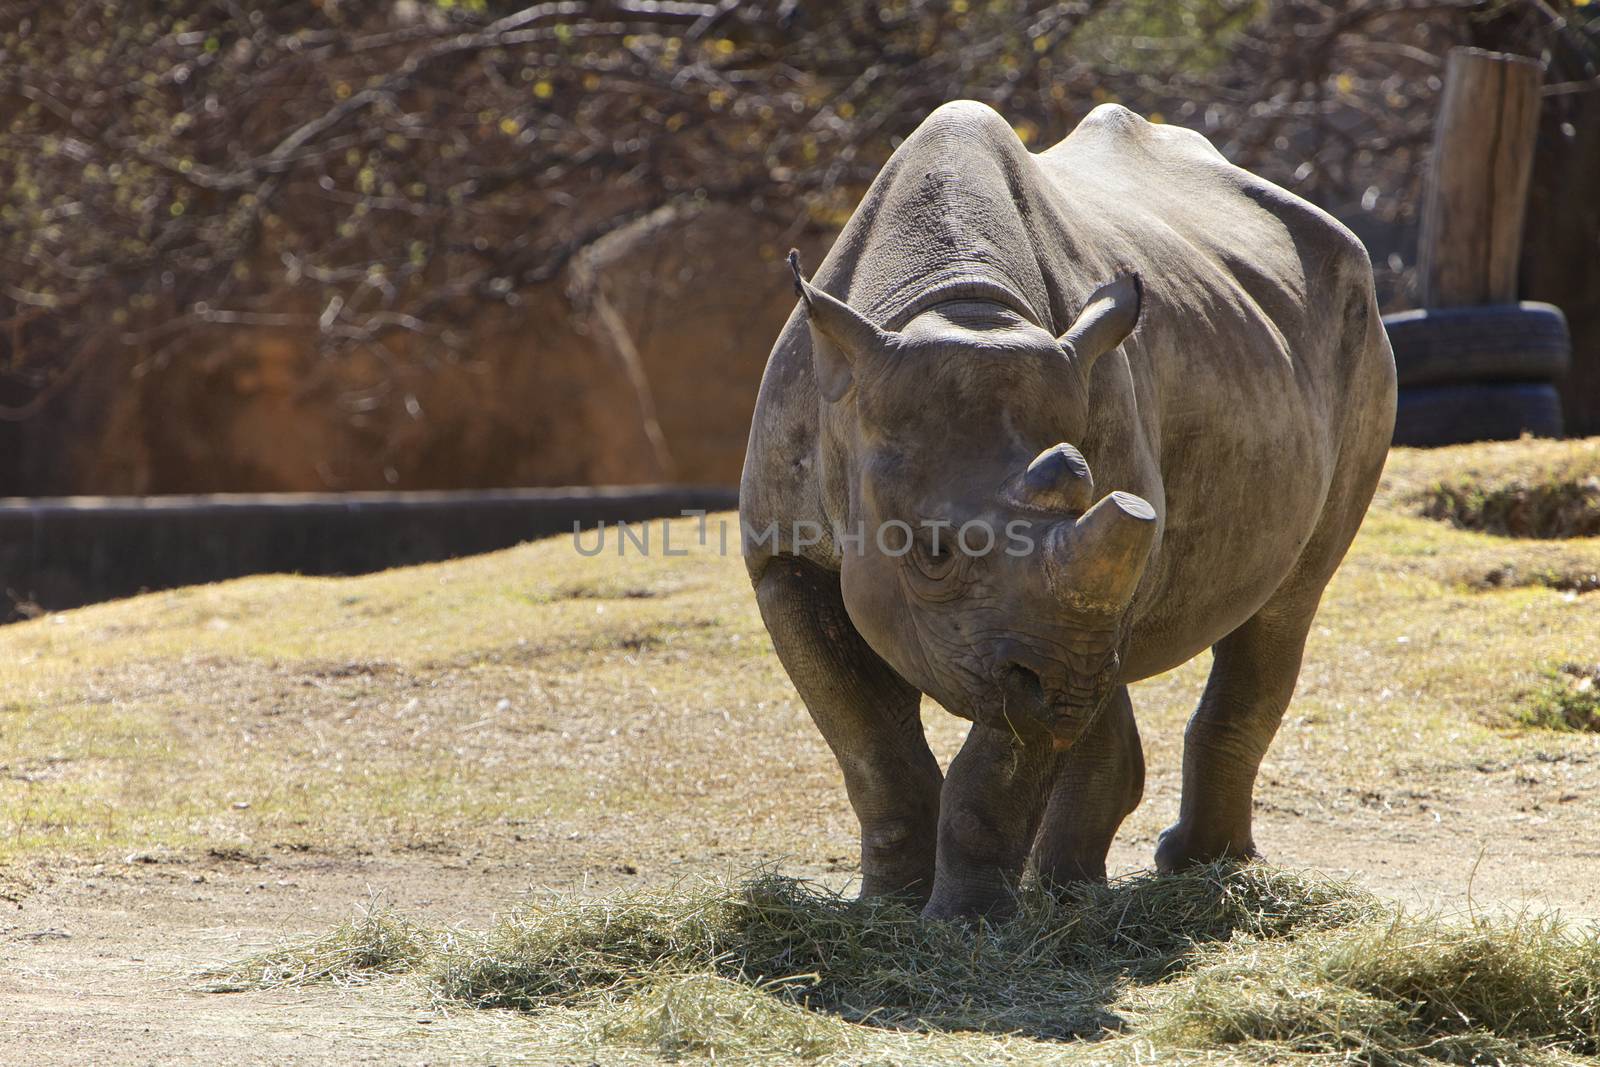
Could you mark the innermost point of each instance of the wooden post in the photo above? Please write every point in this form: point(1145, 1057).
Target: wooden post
point(1477, 188)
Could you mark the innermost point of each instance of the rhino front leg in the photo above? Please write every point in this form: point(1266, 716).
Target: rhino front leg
point(1099, 782)
point(1253, 675)
point(988, 817)
point(870, 718)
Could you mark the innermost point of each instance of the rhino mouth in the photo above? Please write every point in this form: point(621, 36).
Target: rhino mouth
point(1064, 710)
point(1041, 688)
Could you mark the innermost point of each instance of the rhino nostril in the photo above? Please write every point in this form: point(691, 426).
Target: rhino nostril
point(1023, 684)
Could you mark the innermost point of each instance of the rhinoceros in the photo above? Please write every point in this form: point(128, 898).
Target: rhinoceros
point(1145, 396)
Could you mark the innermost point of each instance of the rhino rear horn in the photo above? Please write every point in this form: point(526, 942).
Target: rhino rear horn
point(841, 337)
point(1109, 547)
point(1057, 480)
point(1107, 318)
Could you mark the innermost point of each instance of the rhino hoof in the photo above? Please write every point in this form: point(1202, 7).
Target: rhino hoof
point(1179, 848)
point(969, 911)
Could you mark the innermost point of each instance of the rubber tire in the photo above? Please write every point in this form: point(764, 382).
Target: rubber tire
point(1524, 342)
point(1457, 414)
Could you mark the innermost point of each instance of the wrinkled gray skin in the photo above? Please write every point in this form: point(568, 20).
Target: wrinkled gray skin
point(1209, 346)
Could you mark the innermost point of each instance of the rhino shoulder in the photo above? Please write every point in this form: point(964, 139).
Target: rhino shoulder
point(1114, 120)
point(1117, 128)
point(1328, 249)
point(1334, 249)
point(1339, 308)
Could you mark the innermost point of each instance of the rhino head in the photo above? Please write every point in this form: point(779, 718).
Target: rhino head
point(976, 559)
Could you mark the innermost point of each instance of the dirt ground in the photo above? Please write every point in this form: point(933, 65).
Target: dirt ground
point(98, 961)
point(190, 776)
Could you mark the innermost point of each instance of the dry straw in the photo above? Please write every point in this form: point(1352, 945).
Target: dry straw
point(1236, 963)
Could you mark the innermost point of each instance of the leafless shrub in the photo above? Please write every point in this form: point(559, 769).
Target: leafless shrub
point(378, 171)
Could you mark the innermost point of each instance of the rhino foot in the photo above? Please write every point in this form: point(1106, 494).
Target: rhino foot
point(1183, 846)
point(897, 858)
point(982, 900)
point(989, 813)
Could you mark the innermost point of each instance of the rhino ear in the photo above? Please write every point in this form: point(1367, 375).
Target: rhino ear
point(841, 337)
point(1106, 320)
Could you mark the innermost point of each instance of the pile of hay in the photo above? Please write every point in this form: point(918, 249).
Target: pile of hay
point(1226, 962)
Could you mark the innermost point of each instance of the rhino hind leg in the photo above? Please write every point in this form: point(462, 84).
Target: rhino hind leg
point(870, 718)
point(1254, 670)
point(1099, 782)
point(1253, 675)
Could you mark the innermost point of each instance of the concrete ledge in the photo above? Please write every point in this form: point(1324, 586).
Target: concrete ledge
point(62, 552)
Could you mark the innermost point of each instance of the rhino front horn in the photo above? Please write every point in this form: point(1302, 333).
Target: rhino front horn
point(841, 336)
point(1108, 548)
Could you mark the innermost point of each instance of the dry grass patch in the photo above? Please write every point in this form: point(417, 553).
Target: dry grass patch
point(1245, 963)
point(376, 942)
point(586, 716)
point(1050, 973)
point(1539, 489)
point(1567, 698)
point(721, 1019)
point(1565, 575)
point(1399, 990)
point(588, 723)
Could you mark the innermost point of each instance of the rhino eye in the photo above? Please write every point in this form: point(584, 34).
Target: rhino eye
point(934, 560)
